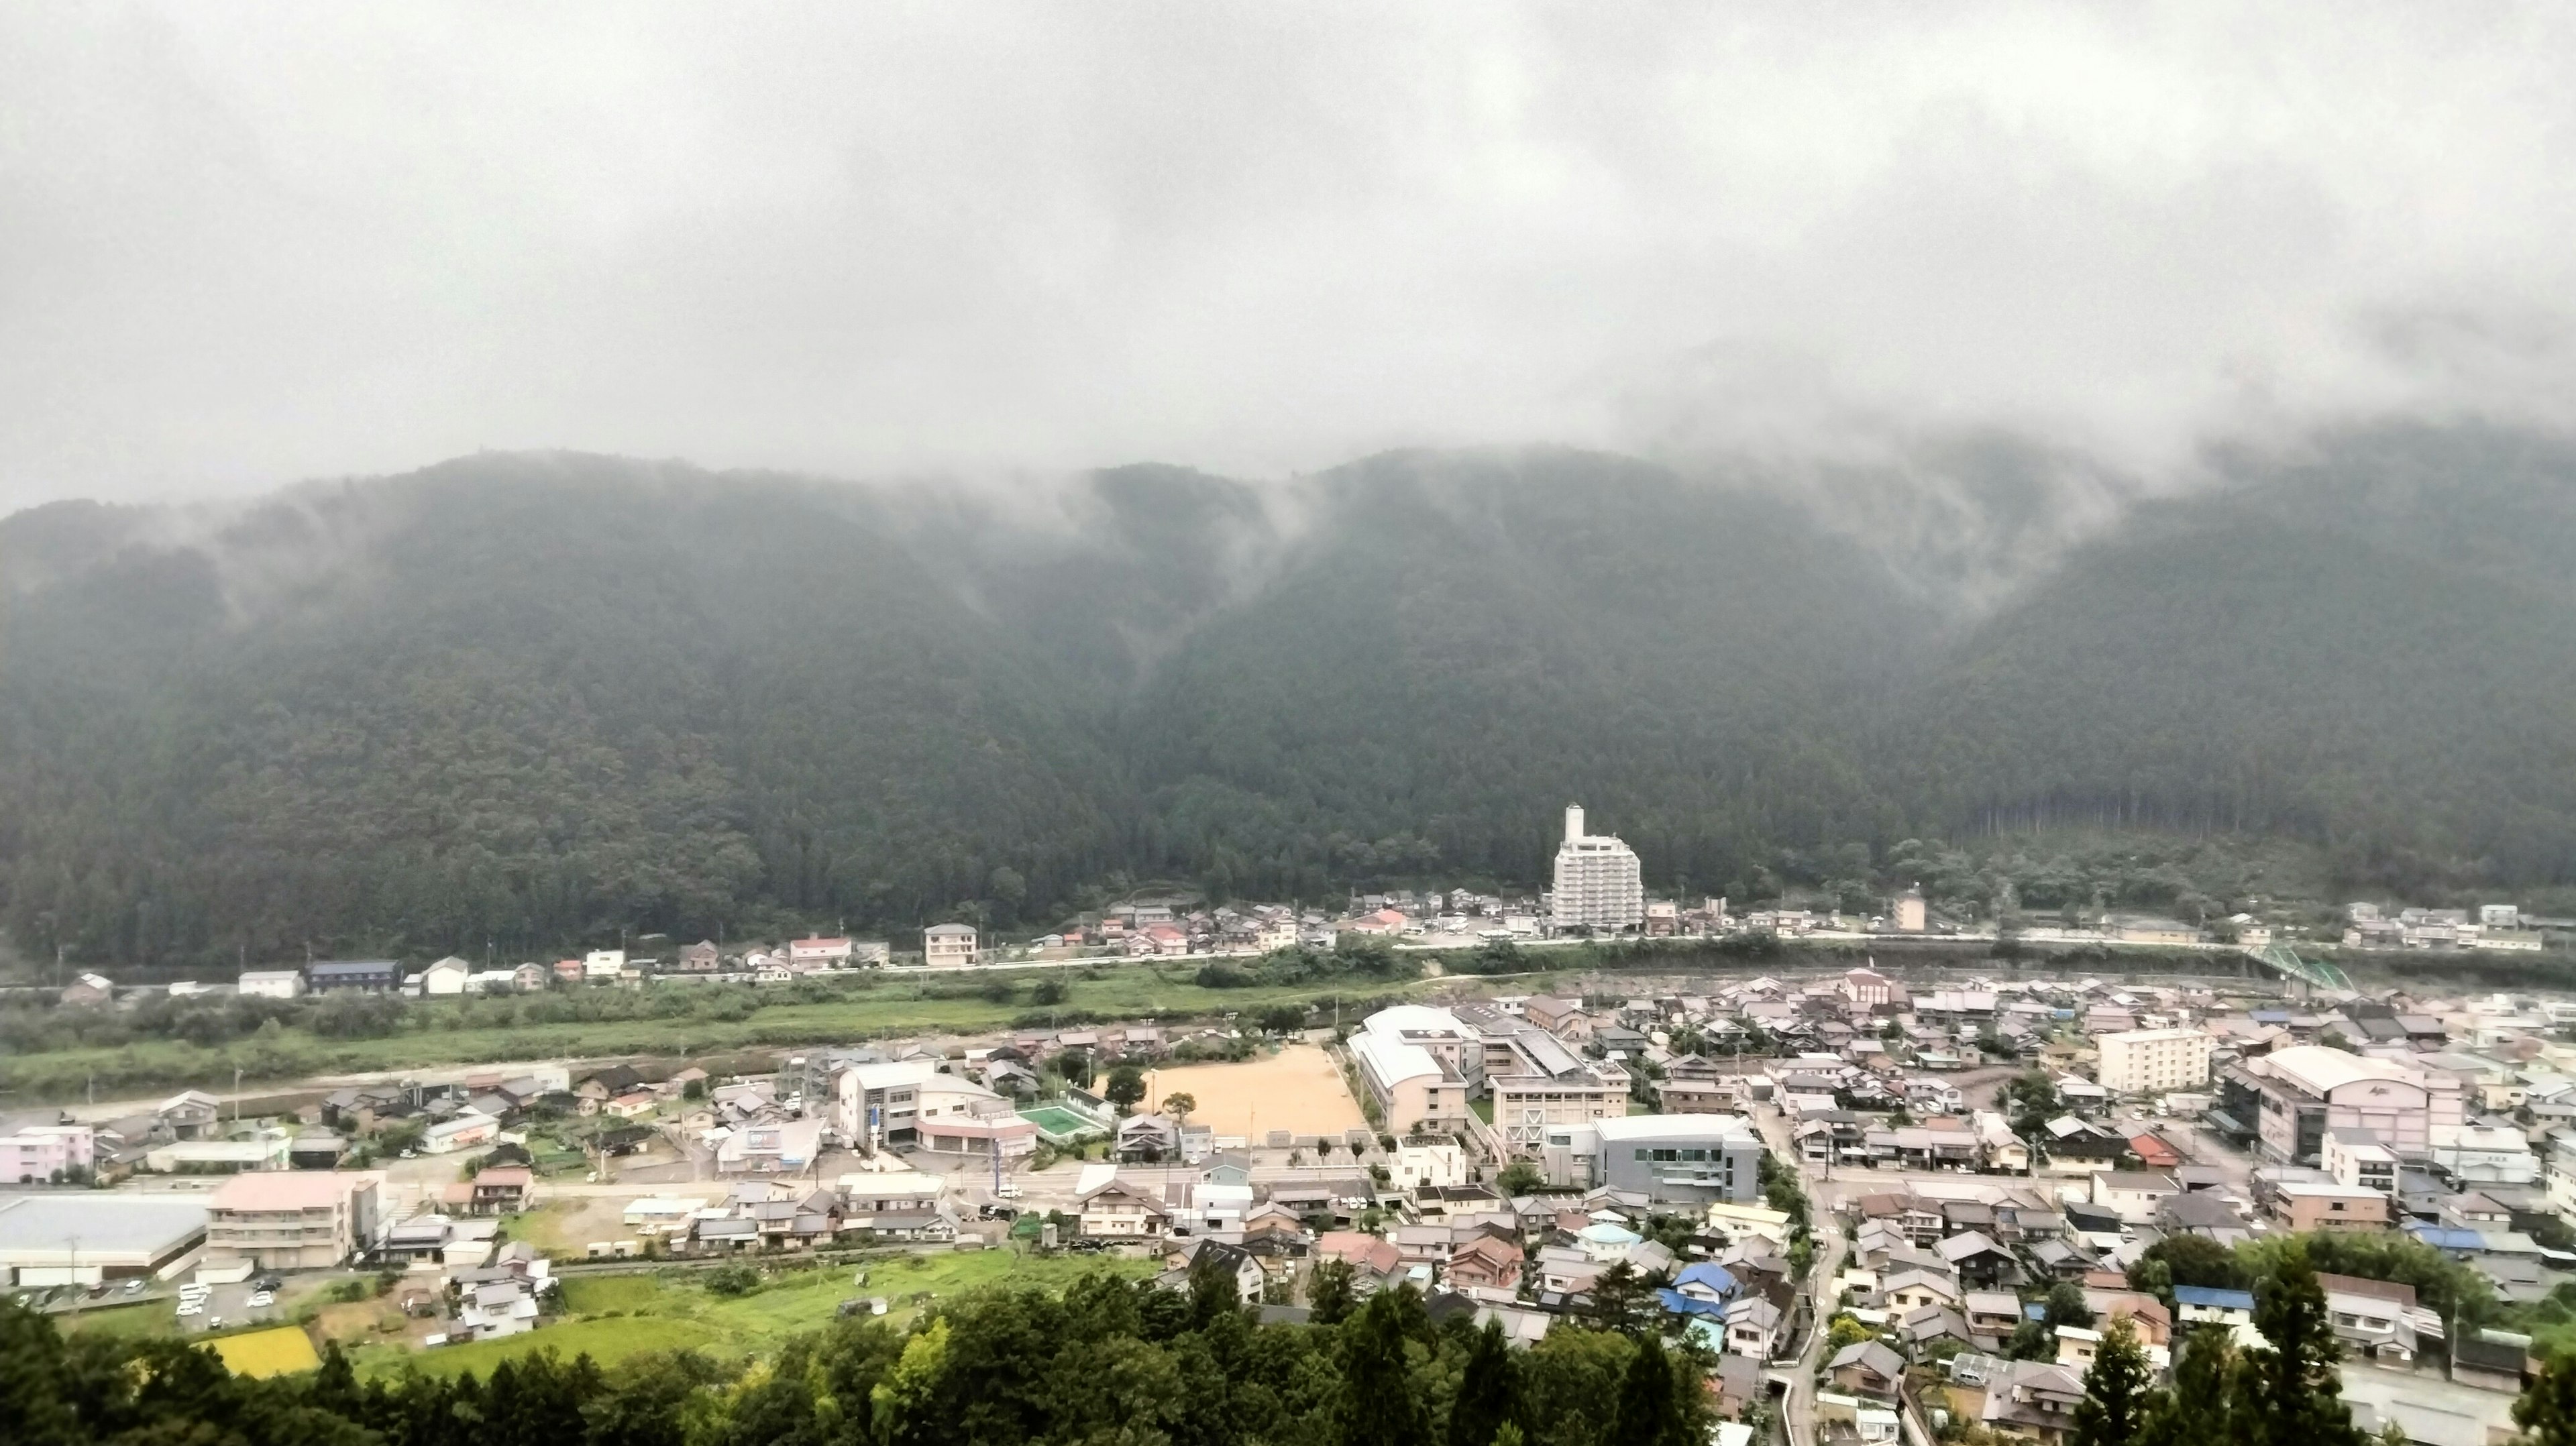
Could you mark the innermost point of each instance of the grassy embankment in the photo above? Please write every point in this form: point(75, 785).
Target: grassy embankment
point(443, 1032)
point(430, 1036)
point(613, 1317)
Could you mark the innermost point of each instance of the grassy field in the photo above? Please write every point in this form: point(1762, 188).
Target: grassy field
point(615, 1316)
point(151, 1318)
point(277, 1352)
point(430, 1037)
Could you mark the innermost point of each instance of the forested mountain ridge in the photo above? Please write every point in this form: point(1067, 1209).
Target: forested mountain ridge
point(537, 699)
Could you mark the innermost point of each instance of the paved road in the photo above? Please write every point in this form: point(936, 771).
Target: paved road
point(1798, 1410)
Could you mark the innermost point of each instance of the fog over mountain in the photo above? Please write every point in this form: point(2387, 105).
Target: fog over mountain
point(483, 474)
point(245, 247)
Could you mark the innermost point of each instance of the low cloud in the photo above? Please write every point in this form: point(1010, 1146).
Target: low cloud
point(244, 245)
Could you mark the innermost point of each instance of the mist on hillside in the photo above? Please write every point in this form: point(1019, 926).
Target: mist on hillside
point(1976, 279)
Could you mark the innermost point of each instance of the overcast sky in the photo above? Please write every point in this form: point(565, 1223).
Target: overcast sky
point(242, 245)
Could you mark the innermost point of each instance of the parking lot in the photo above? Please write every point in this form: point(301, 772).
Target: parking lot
point(231, 1305)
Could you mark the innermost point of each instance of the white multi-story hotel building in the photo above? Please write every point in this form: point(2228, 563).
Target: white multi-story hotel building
point(2151, 1061)
point(1598, 881)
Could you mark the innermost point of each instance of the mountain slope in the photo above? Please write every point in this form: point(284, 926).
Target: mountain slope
point(2376, 648)
point(538, 700)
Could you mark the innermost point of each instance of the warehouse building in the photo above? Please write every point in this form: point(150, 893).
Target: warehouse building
point(82, 1237)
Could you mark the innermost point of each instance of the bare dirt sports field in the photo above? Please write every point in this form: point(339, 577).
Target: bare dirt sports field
point(1299, 1089)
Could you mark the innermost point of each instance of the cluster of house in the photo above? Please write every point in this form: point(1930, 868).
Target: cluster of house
point(1520, 1259)
point(2490, 926)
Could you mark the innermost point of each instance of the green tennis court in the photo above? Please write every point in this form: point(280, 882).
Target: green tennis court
point(1057, 1122)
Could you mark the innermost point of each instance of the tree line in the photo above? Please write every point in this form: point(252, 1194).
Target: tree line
point(1107, 1362)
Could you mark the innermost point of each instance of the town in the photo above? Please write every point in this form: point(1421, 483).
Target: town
point(1870, 1207)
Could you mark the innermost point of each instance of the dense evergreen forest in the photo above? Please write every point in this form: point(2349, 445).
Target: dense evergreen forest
point(540, 700)
point(1110, 1362)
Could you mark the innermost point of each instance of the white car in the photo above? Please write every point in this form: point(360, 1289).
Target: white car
point(190, 1307)
point(134, 1286)
point(262, 1301)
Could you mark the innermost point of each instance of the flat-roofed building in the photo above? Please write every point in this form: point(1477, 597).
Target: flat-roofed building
point(291, 1219)
point(2308, 1089)
point(876, 1105)
point(1679, 1159)
point(2355, 1157)
point(2327, 1205)
point(1537, 1081)
point(2152, 1061)
point(81, 1237)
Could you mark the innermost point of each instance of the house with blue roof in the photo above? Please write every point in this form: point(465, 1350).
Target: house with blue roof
point(1706, 1280)
point(2208, 1305)
point(1676, 1303)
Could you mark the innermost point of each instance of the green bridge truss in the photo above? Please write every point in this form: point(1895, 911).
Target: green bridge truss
point(2315, 971)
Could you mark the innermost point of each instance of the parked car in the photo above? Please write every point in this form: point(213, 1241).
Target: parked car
point(190, 1307)
point(134, 1286)
point(262, 1301)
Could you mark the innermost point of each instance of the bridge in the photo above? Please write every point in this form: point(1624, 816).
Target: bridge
point(2315, 972)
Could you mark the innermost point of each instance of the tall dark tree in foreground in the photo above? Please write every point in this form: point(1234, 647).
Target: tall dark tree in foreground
point(2118, 1392)
point(1328, 1292)
point(1379, 1405)
point(2195, 1411)
point(2287, 1392)
point(1488, 1391)
point(1650, 1412)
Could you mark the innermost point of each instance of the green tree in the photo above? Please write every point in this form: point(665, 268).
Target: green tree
point(1623, 1301)
point(1650, 1410)
point(2547, 1411)
point(2195, 1411)
point(1329, 1295)
point(2187, 1260)
point(2286, 1390)
point(1126, 1087)
point(2118, 1392)
point(2031, 1100)
point(1520, 1177)
point(1488, 1391)
point(1378, 1405)
point(2067, 1306)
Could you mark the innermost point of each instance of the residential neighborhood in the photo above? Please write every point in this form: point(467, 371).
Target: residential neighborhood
point(1887, 1196)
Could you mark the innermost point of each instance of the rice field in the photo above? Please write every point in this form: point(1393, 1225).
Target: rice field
point(278, 1352)
point(612, 1317)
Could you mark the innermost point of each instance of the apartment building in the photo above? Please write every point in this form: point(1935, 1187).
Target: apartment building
point(948, 945)
point(1599, 883)
point(39, 1154)
point(291, 1219)
point(2152, 1061)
